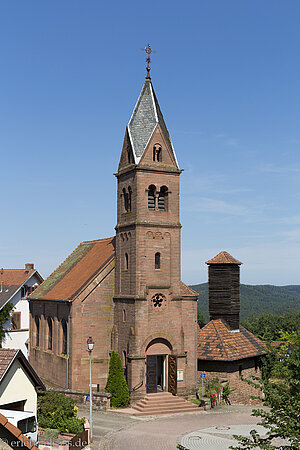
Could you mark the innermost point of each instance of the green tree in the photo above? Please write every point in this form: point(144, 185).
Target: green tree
point(268, 326)
point(282, 395)
point(4, 316)
point(116, 384)
point(281, 421)
point(200, 319)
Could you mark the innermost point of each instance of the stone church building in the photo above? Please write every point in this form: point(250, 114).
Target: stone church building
point(125, 291)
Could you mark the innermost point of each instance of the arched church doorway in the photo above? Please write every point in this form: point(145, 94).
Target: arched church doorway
point(161, 372)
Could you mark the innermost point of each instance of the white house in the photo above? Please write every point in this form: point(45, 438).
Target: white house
point(18, 382)
point(15, 285)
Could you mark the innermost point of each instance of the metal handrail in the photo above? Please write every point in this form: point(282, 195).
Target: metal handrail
point(138, 386)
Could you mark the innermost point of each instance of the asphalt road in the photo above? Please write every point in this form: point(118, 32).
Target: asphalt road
point(205, 429)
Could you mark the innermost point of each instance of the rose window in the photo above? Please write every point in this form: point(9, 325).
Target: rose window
point(158, 300)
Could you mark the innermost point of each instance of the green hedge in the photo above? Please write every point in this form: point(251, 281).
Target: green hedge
point(57, 411)
point(116, 384)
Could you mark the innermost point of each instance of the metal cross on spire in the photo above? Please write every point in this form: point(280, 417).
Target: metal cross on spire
point(149, 51)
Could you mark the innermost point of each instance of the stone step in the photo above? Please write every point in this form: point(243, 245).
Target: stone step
point(159, 411)
point(168, 407)
point(147, 403)
point(163, 403)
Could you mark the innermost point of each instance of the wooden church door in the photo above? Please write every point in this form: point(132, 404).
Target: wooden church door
point(151, 364)
point(172, 374)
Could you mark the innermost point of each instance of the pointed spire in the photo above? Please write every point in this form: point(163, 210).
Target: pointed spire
point(144, 120)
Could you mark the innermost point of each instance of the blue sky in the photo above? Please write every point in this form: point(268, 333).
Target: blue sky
point(226, 74)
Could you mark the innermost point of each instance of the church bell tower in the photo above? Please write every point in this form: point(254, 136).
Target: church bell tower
point(151, 326)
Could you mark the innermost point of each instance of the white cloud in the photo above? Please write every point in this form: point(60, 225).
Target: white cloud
point(211, 205)
point(292, 235)
point(271, 168)
point(293, 220)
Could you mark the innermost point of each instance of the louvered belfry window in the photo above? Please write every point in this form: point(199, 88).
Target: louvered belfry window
point(162, 198)
point(151, 197)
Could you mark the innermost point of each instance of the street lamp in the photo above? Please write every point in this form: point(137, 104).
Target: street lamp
point(90, 343)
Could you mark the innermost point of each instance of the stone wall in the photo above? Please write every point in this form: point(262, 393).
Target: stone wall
point(233, 372)
point(90, 314)
point(101, 400)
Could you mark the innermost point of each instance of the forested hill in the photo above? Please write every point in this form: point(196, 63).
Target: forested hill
point(257, 299)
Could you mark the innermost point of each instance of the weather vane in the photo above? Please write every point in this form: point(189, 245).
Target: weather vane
point(149, 51)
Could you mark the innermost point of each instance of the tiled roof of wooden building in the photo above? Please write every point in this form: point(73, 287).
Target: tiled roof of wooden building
point(217, 342)
point(223, 258)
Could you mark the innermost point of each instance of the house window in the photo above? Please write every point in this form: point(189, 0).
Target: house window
point(37, 331)
point(157, 261)
point(24, 291)
point(16, 321)
point(64, 327)
point(50, 333)
point(151, 197)
point(162, 198)
point(126, 261)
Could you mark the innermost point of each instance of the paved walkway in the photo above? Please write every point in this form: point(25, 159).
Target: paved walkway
point(211, 430)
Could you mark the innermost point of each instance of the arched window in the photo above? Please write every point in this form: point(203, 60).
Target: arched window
point(162, 198)
point(151, 197)
point(157, 153)
point(125, 200)
point(126, 261)
point(50, 333)
point(157, 260)
point(37, 331)
point(124, 316)
point(64, 347)
point(129, 198)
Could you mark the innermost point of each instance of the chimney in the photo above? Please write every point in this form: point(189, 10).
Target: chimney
point(224, 289)
point(29, 267)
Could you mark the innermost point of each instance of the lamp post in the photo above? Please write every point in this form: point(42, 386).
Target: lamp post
point(90, 343)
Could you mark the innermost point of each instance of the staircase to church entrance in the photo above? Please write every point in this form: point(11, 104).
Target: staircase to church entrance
point(163, 403)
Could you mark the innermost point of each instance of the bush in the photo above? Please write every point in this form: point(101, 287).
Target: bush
point(56, 411)
point(116, 383)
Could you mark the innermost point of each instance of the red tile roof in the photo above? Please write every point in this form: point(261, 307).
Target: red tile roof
point(223, 258)
point(17, 434)
point(76, 271)
point(15, 277)
point(6, 358)
point(217, 342)
point(186, 291)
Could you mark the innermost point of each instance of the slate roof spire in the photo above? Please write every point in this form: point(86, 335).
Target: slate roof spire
point(144, 120)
